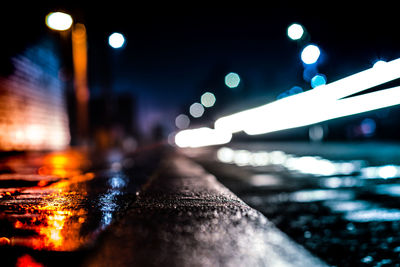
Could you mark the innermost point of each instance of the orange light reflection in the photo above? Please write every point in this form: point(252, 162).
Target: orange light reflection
point(56, 219)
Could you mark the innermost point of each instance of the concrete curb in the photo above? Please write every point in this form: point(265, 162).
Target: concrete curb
point(185, 217)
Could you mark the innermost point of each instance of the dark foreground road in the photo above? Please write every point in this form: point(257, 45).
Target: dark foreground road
point(156, 208)
point(339, 200)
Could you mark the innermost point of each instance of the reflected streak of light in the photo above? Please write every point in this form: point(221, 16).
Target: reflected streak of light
point(107, 202)
point(384, 172)
point(321, 194)
point(378, 214)
point(306, 165)
point(27, 261)
point(56, 217)
point(264, 180)
point(347, 205)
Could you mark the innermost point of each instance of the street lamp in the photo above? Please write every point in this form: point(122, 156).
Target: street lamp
point(116, 40)
point(295, 31)
point(60, 21)
point(310, 54)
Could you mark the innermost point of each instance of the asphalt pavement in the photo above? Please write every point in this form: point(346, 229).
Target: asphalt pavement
point(185, 217)
point(153, 208)
point(338, 200)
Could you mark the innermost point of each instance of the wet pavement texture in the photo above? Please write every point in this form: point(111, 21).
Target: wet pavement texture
point(185, 217)
point(340, 201)
point(54, 206)
point(152, 208)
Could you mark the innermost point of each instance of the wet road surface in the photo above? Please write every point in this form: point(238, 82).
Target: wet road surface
point(185, 217)
point(154, 208)
point(54, 206)
point(341, 201)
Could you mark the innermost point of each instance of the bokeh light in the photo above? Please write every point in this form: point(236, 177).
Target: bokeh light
point(196, 110)
point(310, 54)
point(182, 121)
point(208, 99)
point(59, 21)
point(116, 40)
point(318, 80)
point(232, 80)
point(295, 31)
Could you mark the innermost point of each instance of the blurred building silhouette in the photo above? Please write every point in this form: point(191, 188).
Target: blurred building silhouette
point(33, 111)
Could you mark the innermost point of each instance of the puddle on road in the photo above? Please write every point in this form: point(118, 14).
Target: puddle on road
point(44, 202)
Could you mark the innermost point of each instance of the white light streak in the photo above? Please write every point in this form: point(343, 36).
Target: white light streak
point(319, 104)
point(201, 137)
point(309, 113)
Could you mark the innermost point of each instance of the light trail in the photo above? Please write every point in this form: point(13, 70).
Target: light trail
point(288, 112)
point(320, 104)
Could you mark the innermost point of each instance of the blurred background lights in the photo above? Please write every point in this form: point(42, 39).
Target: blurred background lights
point(232, 80)
point(196, 110)
point(58, 21)
point(310, 54)
point(368, 127)
point(208, 99)
point(295, 31)
point(318, 80)
point(116, 40)
point(182, 121)
point(316, 133)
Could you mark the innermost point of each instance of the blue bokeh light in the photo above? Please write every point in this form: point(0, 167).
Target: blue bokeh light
point(310, 54)
point(318, 80)
point(232, 80)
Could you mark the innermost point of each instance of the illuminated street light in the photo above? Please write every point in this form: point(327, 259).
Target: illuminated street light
point(59, 21)
point(310, 54)
point(116, 40)
point(295, 31)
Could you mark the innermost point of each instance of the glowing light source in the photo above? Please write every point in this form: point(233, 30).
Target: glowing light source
point(116, 40)
point(196, 110)
point(232, 80)
point(182, 121)
point(208, 99)
point(379, 63)
point(300, 109)
point(201, 137)
point(305, 112)
point(59, 21)
point(295, 31)
point(310, 54)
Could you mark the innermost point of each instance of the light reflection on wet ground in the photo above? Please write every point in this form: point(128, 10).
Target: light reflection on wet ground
point(44, 207)
point(52, 202)
point(345, 211)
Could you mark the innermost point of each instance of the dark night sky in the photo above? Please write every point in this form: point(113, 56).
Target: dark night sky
point(173, 49)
